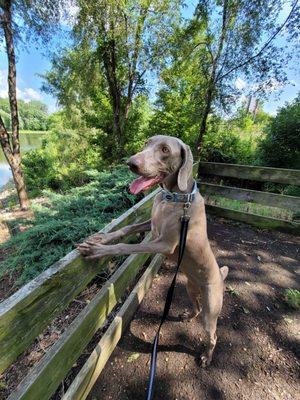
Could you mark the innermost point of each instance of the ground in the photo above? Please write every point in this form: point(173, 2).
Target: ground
point(257, 354)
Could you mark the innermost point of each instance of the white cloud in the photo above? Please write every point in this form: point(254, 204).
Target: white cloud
point(240, 84)
point(25, 94)
point(28, 94)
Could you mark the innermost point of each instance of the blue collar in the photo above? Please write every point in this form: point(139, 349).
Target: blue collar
point(180, 197)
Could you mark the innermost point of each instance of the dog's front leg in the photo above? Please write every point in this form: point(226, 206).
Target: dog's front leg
point(94, 250)
point(104, 238)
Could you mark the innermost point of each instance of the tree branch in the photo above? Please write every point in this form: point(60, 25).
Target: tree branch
point(250, 59)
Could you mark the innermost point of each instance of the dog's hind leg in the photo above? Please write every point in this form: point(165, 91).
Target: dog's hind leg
point(212, 305)
point(194, 295)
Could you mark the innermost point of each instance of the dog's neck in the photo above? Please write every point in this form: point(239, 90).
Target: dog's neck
point(170, 184)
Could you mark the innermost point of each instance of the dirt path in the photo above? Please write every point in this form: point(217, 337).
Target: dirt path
point(258, 344)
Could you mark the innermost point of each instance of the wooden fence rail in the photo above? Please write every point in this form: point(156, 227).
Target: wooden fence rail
point(29, 311)
point(262, 174)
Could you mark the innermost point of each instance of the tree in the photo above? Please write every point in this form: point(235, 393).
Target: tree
point(32, 17)
point(240, 40)
point(281, 146)
point(182, 85)
point(121, 43)
point(33, 115)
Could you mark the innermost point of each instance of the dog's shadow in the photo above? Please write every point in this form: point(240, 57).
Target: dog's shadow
point(133, 343)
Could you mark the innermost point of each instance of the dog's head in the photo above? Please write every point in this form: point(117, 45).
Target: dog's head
point(161, 158)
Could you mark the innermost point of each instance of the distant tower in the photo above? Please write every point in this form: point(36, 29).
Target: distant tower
point(252, 106)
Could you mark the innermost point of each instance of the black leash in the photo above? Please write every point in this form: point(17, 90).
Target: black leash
point(183, 233)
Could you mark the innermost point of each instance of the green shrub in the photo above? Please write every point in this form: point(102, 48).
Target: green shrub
point(281, 146)
point(62, 161)
point(65, 220)
point(227, 146)
point(292, 298)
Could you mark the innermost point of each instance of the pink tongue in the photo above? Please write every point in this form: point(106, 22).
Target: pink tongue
point(143, 183)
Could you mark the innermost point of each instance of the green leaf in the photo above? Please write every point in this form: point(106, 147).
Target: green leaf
point(133, 357)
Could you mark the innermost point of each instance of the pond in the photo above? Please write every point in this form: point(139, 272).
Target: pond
point(28, 141)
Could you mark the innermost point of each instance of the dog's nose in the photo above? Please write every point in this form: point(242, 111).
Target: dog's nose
point(132, 165)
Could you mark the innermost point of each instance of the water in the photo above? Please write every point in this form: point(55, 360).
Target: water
point(28, 141)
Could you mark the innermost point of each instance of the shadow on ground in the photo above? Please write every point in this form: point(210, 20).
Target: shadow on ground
point(257, 354)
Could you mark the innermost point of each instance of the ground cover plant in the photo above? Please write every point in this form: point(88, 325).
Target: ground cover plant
point(64, 220)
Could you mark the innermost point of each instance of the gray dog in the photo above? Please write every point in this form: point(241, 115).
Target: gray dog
point(167, 161)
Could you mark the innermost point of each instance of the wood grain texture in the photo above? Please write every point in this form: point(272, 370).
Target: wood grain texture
point(44, 378)
point(253, 196)
point(255, 220)
point(264, 174)
point(27, 312)
point(87, 376)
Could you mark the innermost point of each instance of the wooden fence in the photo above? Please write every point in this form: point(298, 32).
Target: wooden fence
point(253, 173)
point(29, 311)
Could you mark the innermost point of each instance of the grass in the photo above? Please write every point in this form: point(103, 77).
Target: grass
point(292, 298)
point(65, 220)
point(253, 208)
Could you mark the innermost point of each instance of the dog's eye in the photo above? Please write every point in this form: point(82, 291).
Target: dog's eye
point(165, 149)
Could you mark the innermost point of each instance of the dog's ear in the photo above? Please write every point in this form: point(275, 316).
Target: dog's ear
point(186, 169)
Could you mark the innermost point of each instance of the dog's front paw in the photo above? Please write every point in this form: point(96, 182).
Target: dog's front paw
point(91, 250)
point(99, 238)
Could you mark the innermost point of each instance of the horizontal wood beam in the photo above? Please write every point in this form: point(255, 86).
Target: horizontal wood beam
point(87, 376)
point(45, 377)
point(252, 196)
point(255, 220)
point(27, 312)
point(255, 173)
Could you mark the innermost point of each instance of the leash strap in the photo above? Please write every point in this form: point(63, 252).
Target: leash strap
point(183, 233)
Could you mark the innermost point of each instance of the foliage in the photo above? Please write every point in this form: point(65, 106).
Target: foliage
point(65, 220)
point(33, 116)
point(281, 145)
point(238, 39)
point(57, 165)
point(115, 46)
point(292, 298)
point(225, 145)
point(36, 20)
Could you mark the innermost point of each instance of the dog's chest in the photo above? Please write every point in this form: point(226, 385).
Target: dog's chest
point(162, 218)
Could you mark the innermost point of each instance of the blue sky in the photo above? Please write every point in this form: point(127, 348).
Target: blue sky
point(32, 62)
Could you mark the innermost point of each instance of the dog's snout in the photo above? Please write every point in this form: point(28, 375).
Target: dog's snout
point(132, 165)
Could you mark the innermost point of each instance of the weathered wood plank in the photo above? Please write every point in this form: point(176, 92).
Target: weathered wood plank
point(45, 376)
point(255, 220)
point(89, 373)
point(264, 174)
point(253, 196)
point(27, 312)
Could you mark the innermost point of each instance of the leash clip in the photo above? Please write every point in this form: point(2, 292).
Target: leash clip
point(186, 207)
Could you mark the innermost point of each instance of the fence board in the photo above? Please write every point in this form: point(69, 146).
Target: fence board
point(255, 220)
point(44, 378)
point(27, 312)
point(89, 373)
point(269, 199)
point(265, 174)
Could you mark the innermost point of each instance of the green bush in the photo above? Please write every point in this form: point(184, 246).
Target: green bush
point(223, 144)
point(292, 298)
point(65, 220)
point(281, 146)
point(62, 161)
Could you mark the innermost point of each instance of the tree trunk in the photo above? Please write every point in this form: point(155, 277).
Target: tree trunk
point(20, 183)
point(204, 121)
point(11, 148)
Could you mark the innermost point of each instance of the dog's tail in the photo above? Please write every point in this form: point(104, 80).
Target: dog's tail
point(224, 272)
